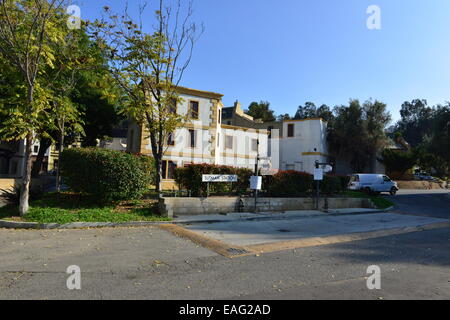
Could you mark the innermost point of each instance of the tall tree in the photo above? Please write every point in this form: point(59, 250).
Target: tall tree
point(376, 119)
point(416, 121)
point(309, 110)
point(149, 67)
point(283, 117)
point(325, 113)
point(30, 31)
point(356, 133)
point(261, 111)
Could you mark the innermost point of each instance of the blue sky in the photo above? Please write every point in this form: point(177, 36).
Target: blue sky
point(291, 51)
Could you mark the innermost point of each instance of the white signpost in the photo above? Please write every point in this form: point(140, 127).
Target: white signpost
point(256, 182)
point(318, 174)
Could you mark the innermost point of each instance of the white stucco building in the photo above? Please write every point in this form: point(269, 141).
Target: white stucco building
point(301, 144)
point(293, 144)
point(204, 139)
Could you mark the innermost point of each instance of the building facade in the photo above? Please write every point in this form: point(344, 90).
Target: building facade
point(292, 144)
point(204, 138)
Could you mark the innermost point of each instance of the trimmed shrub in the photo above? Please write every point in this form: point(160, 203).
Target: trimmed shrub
point(190, 178)
point(331, 184)
point(288, 184)
point(110, 175)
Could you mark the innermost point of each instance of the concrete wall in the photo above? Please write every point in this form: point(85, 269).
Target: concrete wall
point(217, 205)
point(7, 184)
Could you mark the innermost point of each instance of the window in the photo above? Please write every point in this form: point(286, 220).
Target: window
point(290, 130)
point(173, 106)
point(168, 168)
point(386, 179)
point(170, 139)
point(36, 149)
point(220, 116)
point(193, 109)
point(192, 138)
point(229, 123)
point(255, 143)
point(218, 140)
point(229, 142)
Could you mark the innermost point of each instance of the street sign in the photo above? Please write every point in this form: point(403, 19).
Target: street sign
point(256, 182)
point(219, 178)
point(318, 174)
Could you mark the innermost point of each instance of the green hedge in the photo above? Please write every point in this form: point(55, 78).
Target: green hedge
point(331, 184)
point(300, 184)
point(190, 178)
point(288, 184)
point(110, 175)
point(282, 184)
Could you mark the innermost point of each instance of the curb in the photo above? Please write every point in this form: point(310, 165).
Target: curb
point(77, 225)
point(81, 225)
point(282, 218)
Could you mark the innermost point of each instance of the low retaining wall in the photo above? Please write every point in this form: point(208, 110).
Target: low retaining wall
point(419, 185)
point(217, 205)
point(8, 183)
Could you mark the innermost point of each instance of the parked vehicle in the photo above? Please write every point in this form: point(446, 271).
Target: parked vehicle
point(424, 176)
point(372, 183)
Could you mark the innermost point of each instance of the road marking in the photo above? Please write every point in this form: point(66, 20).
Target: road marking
point(235, 251)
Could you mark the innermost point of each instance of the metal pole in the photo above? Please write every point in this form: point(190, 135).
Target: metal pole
point(317, 184)
point(318, 194)
point(256, 173)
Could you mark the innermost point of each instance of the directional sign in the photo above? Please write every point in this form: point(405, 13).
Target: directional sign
point(219, 178)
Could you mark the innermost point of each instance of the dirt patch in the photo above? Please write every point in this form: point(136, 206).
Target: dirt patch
point(421, 185)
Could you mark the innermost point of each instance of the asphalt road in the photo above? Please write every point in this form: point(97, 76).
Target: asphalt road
point(429, 203)
point(149, 263)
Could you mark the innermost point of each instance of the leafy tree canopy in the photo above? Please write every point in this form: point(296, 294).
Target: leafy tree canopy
point(261, 111)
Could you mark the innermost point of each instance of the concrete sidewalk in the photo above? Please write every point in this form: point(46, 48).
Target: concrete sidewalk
point(260, 216)
point(245, 233)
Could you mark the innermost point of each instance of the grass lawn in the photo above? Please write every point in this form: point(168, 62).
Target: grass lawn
point(379, 202)
point(68, 207)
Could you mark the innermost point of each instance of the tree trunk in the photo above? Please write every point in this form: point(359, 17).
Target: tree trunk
point(60, 150)
point(26, 179)
point(158, 182)
point(44, 145)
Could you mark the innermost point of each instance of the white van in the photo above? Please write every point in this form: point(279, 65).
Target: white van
point(372, 183)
